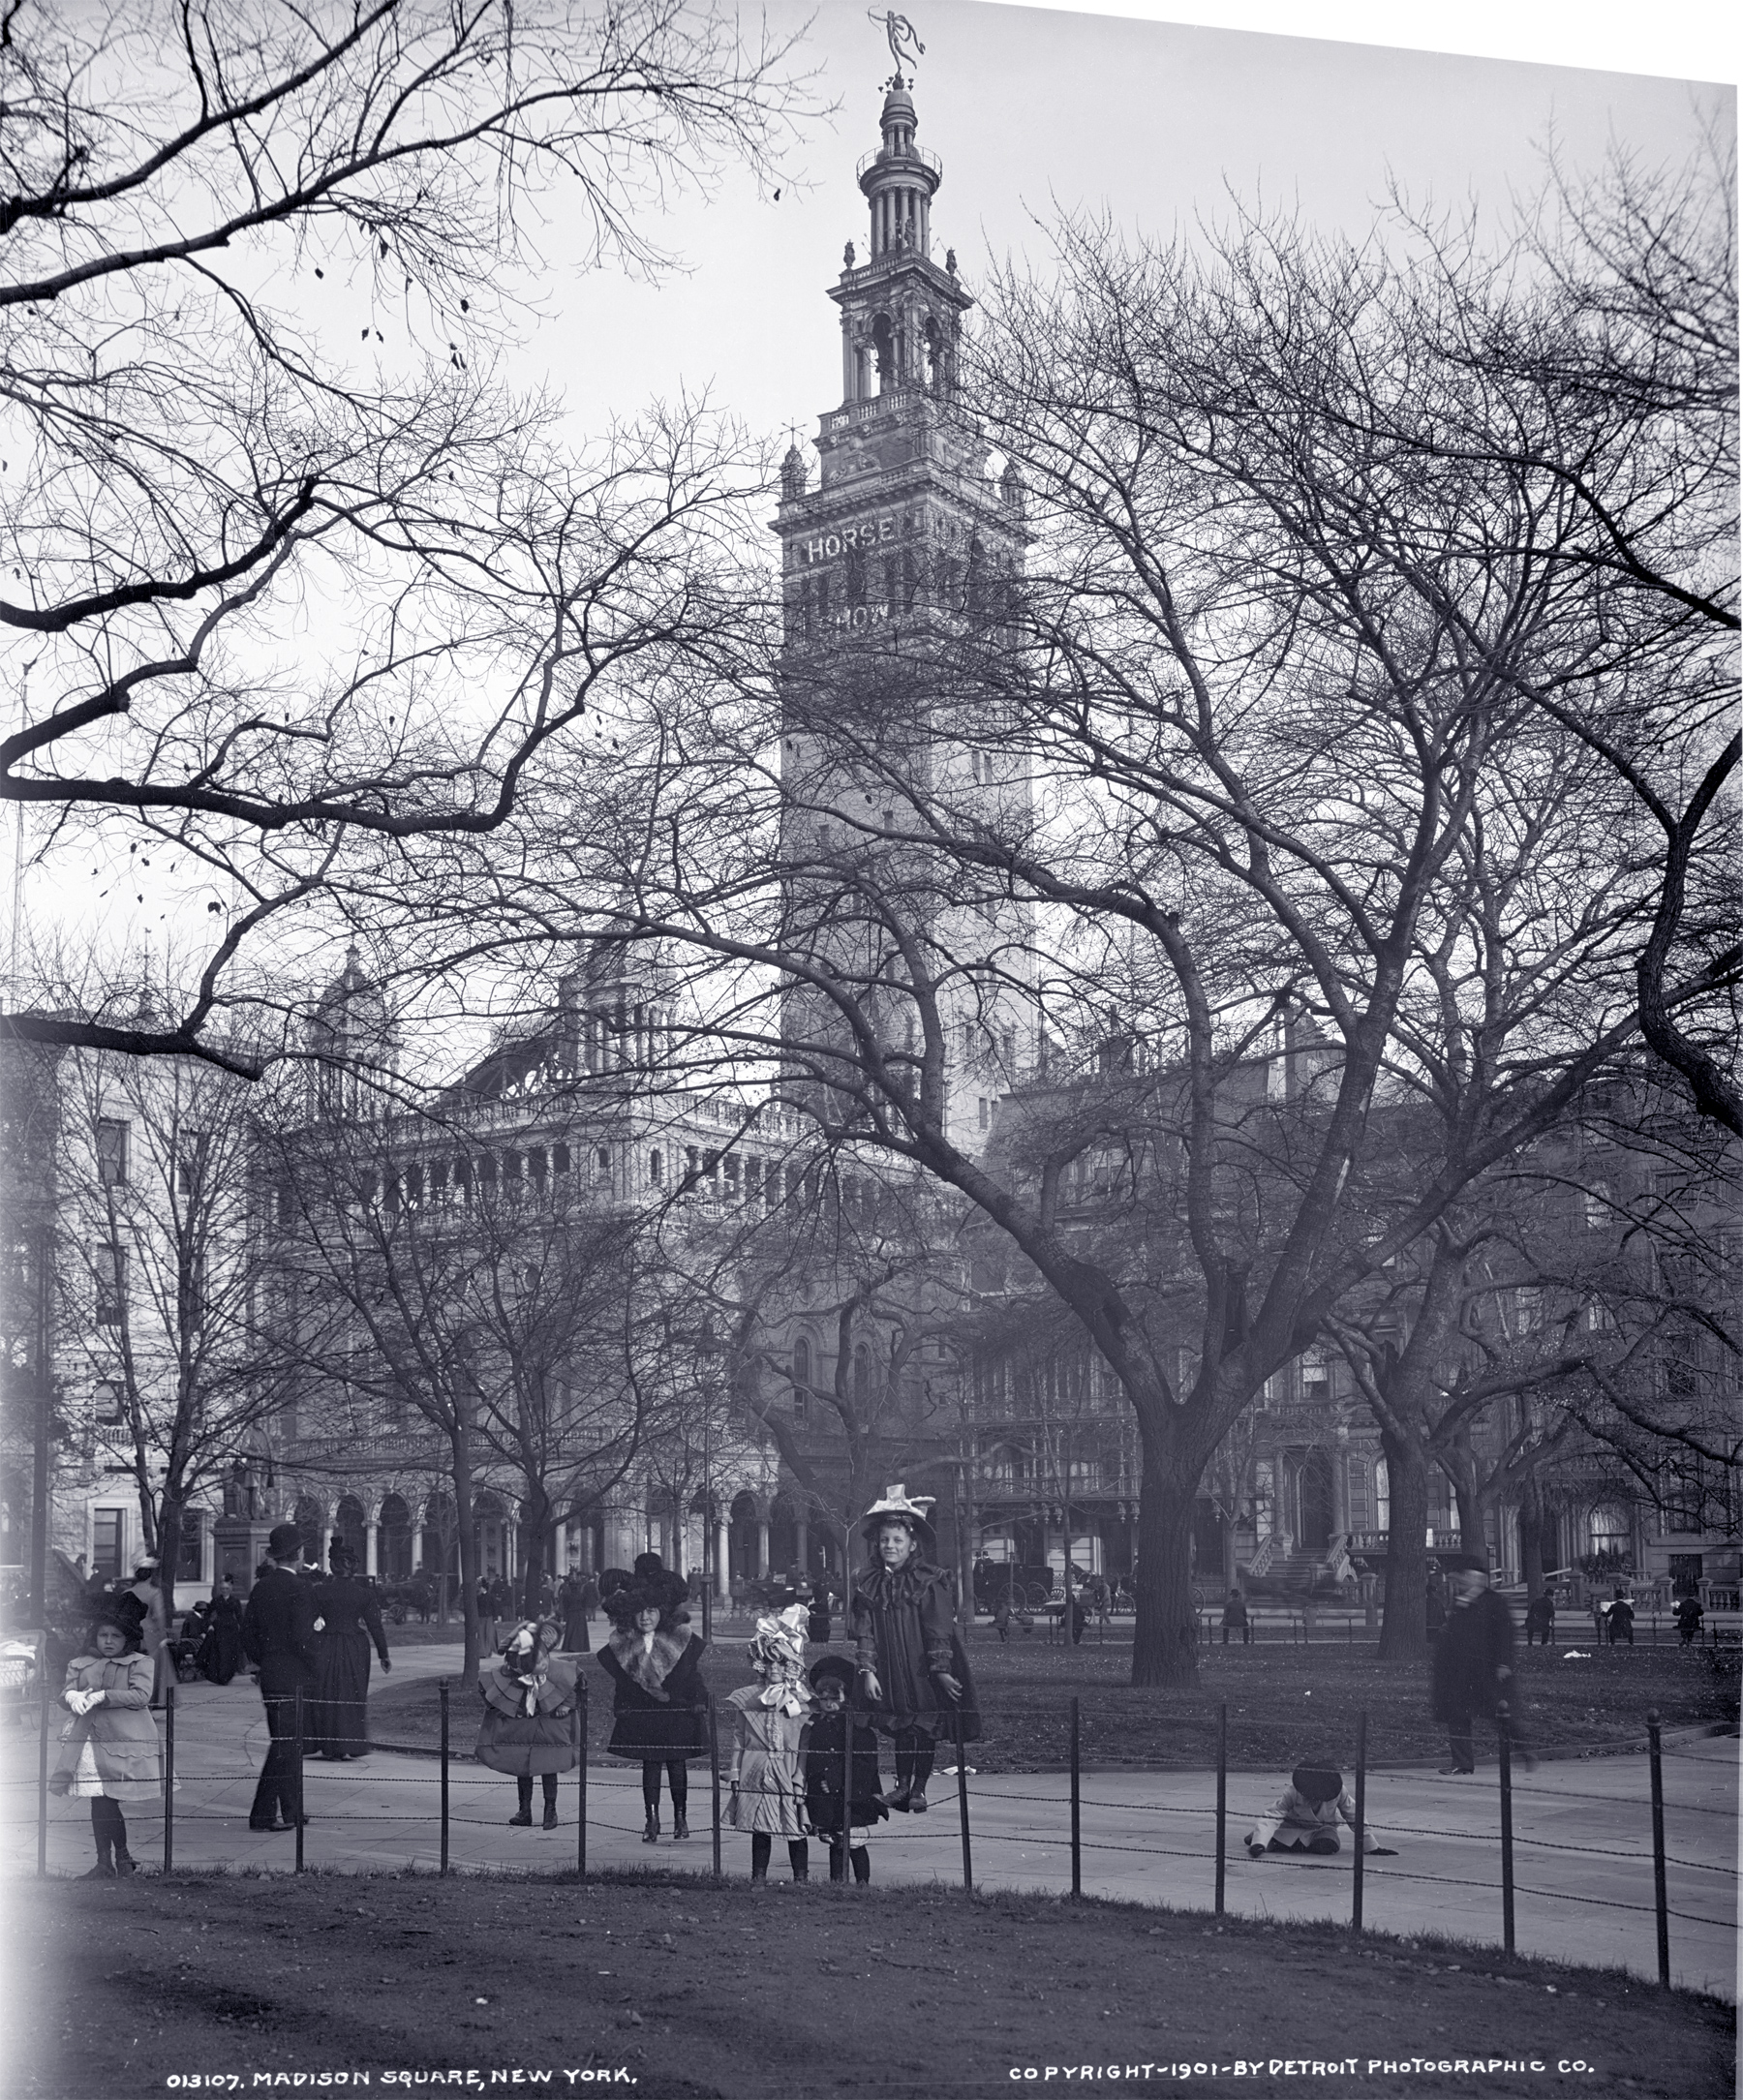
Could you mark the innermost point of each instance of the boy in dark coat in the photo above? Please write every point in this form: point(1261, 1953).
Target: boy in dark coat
point(1474, 1668)
point(820, 1749)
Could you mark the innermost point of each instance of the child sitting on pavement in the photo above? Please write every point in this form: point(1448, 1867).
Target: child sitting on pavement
point(1306, 1816)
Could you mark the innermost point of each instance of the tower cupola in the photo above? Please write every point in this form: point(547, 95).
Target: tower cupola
point(900, 180)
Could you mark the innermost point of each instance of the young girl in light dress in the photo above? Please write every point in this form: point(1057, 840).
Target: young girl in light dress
point(109, 1752)
point(769, 1717)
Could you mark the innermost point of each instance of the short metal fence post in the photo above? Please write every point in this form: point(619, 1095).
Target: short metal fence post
point(714, 1776)
point(1506, 1857)
point(301, 1818)
point(43, 1757)
point(1222, 1800)
point(1660, 1895)
point(1077, 1832)
point(168, 1778)
point(962, 1800)
point(443, 1689)
point(1360, 1817)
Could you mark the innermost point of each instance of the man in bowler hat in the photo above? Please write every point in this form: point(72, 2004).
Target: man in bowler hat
point(278, 1634)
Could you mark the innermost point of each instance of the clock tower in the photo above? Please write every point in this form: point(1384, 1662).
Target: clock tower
point(896, 562)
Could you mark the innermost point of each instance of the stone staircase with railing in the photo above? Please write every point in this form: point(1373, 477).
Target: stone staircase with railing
point(1295, 1571)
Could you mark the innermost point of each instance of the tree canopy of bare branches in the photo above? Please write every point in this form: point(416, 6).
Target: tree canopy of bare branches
point(289, 575)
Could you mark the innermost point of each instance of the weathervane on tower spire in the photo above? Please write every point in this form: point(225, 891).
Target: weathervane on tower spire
point(905, 39)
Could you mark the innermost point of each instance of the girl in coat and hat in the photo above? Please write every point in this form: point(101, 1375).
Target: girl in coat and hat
point(659, 1701)
point(109, 1747)
point(767, 1777)
point(824, 1754)
point(530, 1699)
point(914, 1671)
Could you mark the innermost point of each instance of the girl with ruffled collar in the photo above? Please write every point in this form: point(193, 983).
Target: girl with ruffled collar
point(767, 1776)
point(659, 1704)
point(530, 1699)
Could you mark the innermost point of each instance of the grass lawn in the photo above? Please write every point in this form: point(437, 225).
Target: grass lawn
point(1284, 1703)
point(762, 1995)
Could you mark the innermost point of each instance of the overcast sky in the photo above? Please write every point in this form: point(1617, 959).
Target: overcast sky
point(1034, 109)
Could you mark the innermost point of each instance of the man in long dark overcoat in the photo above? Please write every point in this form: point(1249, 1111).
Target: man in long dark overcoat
point(1474, 1668)
point(278, 1634)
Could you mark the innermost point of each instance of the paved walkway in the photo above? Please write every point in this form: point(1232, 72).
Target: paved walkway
point(1582, 1836)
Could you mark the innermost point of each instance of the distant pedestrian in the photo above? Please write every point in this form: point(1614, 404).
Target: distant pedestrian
point(1540, 1619)
point(278, 1635)
point(1689, 1616)
point(1304, 1818)
point(1235, 1620)
point(109, 1749)
point(487, 1614)
point(218, 1655)
point(574, 1614)
point(337, 1726)
point(1474, 1668)
point(530, 1699)
point(147, 1594)
point(1619, 1619)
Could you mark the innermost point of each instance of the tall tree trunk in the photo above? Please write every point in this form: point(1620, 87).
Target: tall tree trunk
point(1531, 1534)
point(1165, 1640)
point(1404, 1626)
point(535, 1537)
point(460, 1452)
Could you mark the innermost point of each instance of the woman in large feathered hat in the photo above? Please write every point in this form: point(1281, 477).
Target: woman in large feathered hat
point(915, 1673)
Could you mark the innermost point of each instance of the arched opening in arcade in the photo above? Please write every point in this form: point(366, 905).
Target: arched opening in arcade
point(394, 1552)
point(350, 1526)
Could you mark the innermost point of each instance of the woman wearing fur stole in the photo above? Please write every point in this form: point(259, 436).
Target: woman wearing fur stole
point(530, 1699)
point(659, 1701)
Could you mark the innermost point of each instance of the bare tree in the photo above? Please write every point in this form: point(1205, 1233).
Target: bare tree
point(160, 1272)
point(1601, 353)
point(277, 603)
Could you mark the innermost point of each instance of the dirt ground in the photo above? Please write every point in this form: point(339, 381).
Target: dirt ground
point(1285, 1702)
point(191, 1983)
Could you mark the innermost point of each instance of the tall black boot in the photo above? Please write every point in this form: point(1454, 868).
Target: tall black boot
point(923, 1764)
point(761, 1845)
point(799, 1854)
point(678, 1779)
point(550, 1800)
point(523, 1787)
point(862, 1863)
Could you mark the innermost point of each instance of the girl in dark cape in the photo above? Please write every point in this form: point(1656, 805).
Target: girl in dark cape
point(659, 1704)
point(350, 1619)
point(915, 1673)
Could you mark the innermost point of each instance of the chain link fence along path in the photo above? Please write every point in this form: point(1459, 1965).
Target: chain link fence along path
point(1581, 1833)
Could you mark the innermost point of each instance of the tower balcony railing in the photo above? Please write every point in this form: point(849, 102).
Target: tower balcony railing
point(915, 156)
